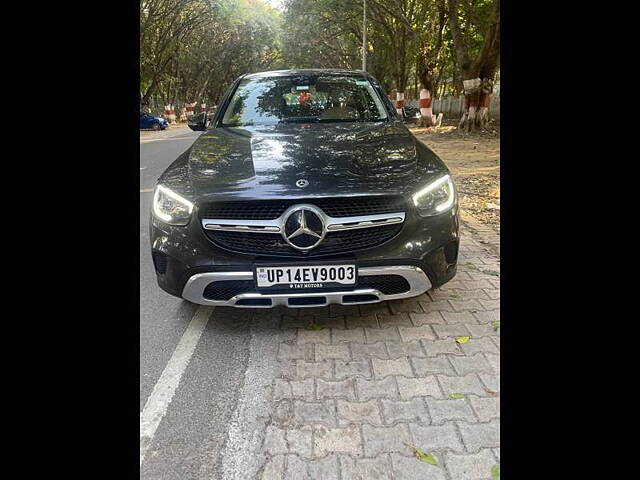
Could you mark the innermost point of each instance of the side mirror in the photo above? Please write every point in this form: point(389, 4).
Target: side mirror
point(409, 116)
point(198, 122)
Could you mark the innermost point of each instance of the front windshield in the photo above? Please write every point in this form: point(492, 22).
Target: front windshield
point(303, 99)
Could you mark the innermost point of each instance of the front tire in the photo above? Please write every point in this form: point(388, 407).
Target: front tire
point(156, 127)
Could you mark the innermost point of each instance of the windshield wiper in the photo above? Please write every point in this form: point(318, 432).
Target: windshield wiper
point(299, 120)
point(343, 120)
point(233, 125)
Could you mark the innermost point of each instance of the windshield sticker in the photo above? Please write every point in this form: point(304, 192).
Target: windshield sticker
point(304, 98)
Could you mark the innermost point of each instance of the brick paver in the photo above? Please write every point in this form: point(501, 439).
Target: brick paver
point(355, 396)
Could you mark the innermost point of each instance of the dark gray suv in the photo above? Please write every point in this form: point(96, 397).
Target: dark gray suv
point(305, 189)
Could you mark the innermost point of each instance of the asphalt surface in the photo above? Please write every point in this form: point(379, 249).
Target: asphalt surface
point(189, 440)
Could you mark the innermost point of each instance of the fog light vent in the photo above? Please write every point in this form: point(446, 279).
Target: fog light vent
point(359, 298)
point(160, 262)
point(451, 251)
point(297, 301)
point(254, 302)
point(387, 284)
point(226, 289)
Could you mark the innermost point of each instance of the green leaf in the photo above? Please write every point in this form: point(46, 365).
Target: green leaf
point(491, 272)
point(456, 396)
point(426, 457)
point(315, 326)
point(495, 472)
point(496, 325)
point(462, 339)
point(423, 456)
point(453, 295)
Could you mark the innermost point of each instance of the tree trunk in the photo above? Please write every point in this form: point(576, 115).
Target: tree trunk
point(399, 102)
point(477, 74)
point(477, 94)
point(152, 87)
point(426, 87)
point(483, 107)
point(426, 111)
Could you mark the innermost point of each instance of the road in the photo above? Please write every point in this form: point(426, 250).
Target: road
point(191, 435)
point(239, 394)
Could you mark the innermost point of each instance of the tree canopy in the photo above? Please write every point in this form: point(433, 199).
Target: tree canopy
point(191, 50)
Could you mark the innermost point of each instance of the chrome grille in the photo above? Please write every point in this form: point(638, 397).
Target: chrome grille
point(327, 233)
point(334, 207)
point(274, 244)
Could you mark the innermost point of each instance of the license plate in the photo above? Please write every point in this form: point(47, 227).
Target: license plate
point(306, 276)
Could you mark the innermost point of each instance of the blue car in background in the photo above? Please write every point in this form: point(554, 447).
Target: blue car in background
point(154, 123)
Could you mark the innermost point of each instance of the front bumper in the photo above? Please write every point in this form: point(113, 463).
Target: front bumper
point(425, 252)
point(197, 285)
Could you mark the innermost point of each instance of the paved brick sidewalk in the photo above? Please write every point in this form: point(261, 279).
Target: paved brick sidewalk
point(351, 397)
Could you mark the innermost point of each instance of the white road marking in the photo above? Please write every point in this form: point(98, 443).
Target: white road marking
point(163, 391)
point(166, 139)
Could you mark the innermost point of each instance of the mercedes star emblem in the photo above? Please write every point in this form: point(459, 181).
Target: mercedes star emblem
point(302, 183)
point(303, 227)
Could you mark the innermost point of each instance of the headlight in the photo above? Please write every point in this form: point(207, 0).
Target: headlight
point(435, 198)
point(170, 207)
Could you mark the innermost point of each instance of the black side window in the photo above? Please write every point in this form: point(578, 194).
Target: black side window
point(387, 102)
point(222, 105)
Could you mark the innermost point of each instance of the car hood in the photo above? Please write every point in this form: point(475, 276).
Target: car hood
point(335, 159)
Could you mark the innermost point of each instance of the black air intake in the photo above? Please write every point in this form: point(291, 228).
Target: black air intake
point(159, 262)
